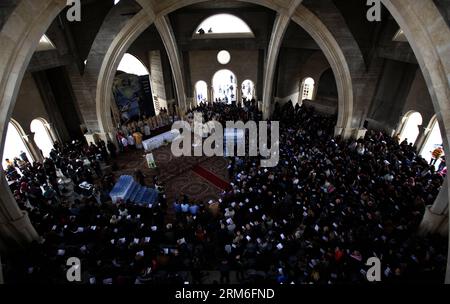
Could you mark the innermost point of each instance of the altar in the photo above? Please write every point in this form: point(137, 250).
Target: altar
point(158, 141)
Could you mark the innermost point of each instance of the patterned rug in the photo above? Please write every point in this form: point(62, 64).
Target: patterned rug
point(176, 173)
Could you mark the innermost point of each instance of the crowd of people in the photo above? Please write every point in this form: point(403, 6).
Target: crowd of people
point(131, 134)
point(317, 217)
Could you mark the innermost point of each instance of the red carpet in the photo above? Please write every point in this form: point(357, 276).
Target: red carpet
point(212, 178)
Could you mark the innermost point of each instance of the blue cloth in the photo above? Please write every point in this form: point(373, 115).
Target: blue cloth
point(193, 209)
point(185, 208)
point(177, 207)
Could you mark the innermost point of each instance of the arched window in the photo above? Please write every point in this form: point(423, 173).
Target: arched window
point(410, 130)
point(131, 65)
point(201, 91)
point(225, 86)
point(432, 141)
point(248, 90)
point(307, 89)
point(223, 26)
point(42, 137)
point(14, 144)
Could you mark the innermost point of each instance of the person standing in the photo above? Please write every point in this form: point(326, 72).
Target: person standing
point(112, 149)
point(435, 155)
point(137, 136)
point(24, 157)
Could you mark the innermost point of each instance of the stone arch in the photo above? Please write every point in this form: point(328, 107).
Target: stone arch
point(42, 126)
point(252, 85)
point(430, 133)
point(235, 84)
point(421, 21)
point(407, 123)
point(85, 81)
point(19, 38)
point(23, 136)
point(198, 95)
point(427, 33)
point(302, 16)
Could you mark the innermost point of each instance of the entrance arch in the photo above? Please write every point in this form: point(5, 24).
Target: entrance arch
point(15, 143)
point(410, 127)
point(302, 16)
point(433, 139)
point(248, 90)
point(224, 84)
point(42, 137)
point(201, 92)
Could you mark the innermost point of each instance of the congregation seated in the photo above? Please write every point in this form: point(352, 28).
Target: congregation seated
point(317, 217)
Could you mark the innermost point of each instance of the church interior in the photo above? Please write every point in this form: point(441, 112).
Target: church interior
point(92, 97)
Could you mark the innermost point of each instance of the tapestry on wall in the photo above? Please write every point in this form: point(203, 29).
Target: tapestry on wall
point(133, 96)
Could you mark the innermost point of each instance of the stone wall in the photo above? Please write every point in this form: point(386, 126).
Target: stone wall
point(392, 91)
point(29, 104)
point(419, 99)
point(204, 64)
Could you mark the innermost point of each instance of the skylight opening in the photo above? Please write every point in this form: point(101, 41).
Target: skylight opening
point(223, 26)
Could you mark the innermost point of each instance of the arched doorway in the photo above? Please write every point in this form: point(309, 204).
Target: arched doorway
point(42, 137)
point(248, 90)
point(15, 143)
point(225, 86)
point(201, 92)
point(432, 141)
point(307, 89)
point(410, 127)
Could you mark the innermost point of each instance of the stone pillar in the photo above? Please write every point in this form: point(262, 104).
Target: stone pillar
point(2, 281)
point(15, 227)
point(435, 219)
point(170, 43)
point(238, 96)
point(279, 29)
point(276, 39)
point(53, 134)
point(421, 138)
point(210, 95)
point(33, 147)
point(347, 133)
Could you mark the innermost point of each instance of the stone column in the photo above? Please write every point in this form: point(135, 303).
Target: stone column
point(2, 281)
point(33, 147)
point(170, 43)
point(210, 95)
point(53, 134)
point(347, 133)
point(279, 29)
point(238, 96)
point(421, 138)
point(15, 226)
point(435, 219)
